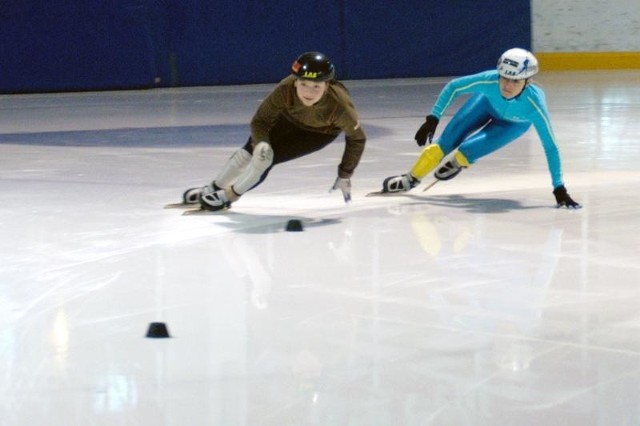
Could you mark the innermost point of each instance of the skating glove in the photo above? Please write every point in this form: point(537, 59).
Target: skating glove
point(563, 199)
point(427, 130)
point(344, 185)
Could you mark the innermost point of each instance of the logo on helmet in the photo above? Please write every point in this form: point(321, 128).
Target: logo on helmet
point(310, 75)
point(517, 64)
point(525, 66)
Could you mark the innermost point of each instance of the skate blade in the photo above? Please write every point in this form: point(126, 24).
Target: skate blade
point(431, 185)
point(381, 194)
point(387, 194)
point(179, 206)
point(196, 212)
point(202, 212)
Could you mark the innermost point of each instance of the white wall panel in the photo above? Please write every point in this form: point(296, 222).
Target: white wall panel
point(585, 25)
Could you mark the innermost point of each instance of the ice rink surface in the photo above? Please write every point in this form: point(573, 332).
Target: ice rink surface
point(474, 303)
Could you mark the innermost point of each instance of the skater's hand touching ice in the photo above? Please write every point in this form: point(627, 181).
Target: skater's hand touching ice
point(343, 184)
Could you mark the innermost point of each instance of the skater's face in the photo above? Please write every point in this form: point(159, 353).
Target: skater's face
point(511, 88)
point(310, 92)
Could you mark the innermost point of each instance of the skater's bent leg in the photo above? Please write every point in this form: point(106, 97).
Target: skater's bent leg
point(471, 117)
point(428, 160)
point(491, 138)
point(255, 172)
point(233, 168)
point(214, 198)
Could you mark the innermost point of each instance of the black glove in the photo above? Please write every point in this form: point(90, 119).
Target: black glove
point(563, 199)
point(427, 130)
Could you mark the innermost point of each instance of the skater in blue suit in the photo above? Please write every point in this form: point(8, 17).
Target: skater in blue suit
point(504, 103)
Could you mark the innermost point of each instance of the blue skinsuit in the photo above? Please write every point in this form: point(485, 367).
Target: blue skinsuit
point(505, 119)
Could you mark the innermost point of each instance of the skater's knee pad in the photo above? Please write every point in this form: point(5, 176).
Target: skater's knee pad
point(233, 168)
point(262, 156)
point(428, 160)
point(241, 158)
point(261, 160)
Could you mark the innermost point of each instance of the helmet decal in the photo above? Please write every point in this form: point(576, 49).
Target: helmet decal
point(525, 66)
point(517, 64)
point(510, 62)
point(314, 66)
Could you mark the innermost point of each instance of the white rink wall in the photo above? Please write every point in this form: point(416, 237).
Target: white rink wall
point(585, 25)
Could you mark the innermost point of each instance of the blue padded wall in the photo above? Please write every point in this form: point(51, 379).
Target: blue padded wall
point(73, 45)
point(59, 45)
point(407, 38)
point(251, 41)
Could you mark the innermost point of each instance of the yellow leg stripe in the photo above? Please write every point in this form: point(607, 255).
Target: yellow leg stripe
point(428, 160)
point(461, 159)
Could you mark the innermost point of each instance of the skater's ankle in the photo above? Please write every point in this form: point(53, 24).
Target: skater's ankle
point(232, 195)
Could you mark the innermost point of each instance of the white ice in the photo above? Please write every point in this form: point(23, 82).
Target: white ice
point(474, 303)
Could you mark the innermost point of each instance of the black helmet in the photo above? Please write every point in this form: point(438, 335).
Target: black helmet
point(314, 66)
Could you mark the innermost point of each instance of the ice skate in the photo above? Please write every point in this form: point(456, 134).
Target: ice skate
point(192, 195)
point(449, 170)
point(400, 183)
point(396, 184)
point(452, 167)
point(212, 200)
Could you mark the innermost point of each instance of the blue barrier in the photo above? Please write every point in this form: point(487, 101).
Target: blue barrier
point(130, 44)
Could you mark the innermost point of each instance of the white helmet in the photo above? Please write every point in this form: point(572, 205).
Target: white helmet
point(517, 64)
